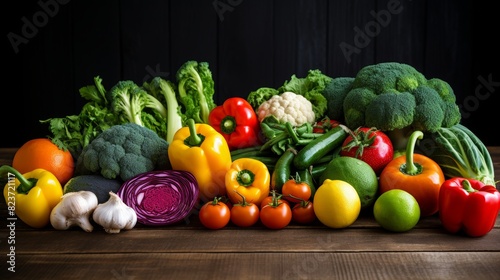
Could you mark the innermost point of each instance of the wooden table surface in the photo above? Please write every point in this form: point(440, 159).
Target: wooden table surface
point(189, 251)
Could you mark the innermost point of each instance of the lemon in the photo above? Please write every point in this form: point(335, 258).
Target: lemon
point(357, 173)
point(336, 204)
point(396, 210)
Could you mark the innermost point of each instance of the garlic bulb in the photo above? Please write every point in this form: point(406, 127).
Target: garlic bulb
point(74, 209)
point(114, 215)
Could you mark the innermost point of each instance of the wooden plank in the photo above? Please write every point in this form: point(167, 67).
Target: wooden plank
point(96, 44)
point(478, 100)
point(193, 36)
point(39, 70)
point(399, 31)
point(300, 38)
point(237, 240)
point(451, 49)
point(245, 48)
point(348, 49)
point(145, 38)
point(261, 265)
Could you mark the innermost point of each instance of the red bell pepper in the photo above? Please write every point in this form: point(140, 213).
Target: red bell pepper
point(468, 205)
point(236, 120)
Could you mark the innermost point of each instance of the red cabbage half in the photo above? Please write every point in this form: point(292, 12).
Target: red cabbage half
point(162, 197)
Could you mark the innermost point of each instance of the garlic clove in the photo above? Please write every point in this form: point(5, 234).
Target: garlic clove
point(74, 209)
point(114, 215)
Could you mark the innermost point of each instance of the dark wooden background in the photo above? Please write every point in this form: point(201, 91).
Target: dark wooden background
point(249, 44)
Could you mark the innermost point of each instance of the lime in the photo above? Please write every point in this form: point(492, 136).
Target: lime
point(357, 173)
point(336, 204)
point(396, 210)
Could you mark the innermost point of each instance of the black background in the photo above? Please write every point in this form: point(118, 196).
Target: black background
point(248, 45)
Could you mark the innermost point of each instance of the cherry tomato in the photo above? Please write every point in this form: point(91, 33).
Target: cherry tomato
point(269, 199)
point(369, 145)
point(245, 215)
point(303, 212)
point(276, 215)
point(214, 214)
point(295, 190)
point(324, 125)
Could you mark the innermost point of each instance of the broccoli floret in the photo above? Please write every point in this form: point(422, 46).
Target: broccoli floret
point(123, 151)
point(127, 101)
point(335, 92)
point(133, 104)
point(388, 111)
point(196, 90)
point(396, 98)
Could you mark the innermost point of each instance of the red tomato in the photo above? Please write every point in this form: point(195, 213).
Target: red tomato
point(276, 215)
point(324, 125)
point(369, 145)
point(303, 212)
point(214, 214)
point(244, 215)
point(296, 191)
point(269, 199)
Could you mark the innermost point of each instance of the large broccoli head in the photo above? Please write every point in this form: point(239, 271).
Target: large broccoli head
point(335, 92)
point(123, 151)
point(395, 96)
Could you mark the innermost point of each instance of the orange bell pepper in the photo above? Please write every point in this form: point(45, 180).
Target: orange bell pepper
point(417, 174)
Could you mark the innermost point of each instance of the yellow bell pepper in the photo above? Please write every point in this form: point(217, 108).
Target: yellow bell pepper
point(202, 151)
point(31, 196)
point(250, 178)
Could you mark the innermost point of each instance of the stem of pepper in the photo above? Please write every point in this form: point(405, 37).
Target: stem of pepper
point(228, 124)
point(25, 185)
point(245, 178)
point(194, 138)
point(410, 167)
point(467, 186)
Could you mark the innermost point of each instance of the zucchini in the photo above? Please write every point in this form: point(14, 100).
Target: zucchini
point(325, 144)
point(282, 170)
point(459, 153)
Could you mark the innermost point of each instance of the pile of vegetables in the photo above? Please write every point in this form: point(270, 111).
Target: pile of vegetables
point(164, 147)
point(159, 105)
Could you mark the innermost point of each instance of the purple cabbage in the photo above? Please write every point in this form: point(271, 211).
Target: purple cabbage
point(162, 197)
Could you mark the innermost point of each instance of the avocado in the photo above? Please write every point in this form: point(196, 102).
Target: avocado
point(97, 184)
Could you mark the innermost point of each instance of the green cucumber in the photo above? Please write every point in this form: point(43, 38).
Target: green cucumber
point(282, 170)
point(319, 147)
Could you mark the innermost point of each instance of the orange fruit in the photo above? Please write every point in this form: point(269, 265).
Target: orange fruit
point(42, 153)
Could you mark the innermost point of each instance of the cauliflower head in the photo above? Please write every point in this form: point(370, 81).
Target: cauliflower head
point(288, 107)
